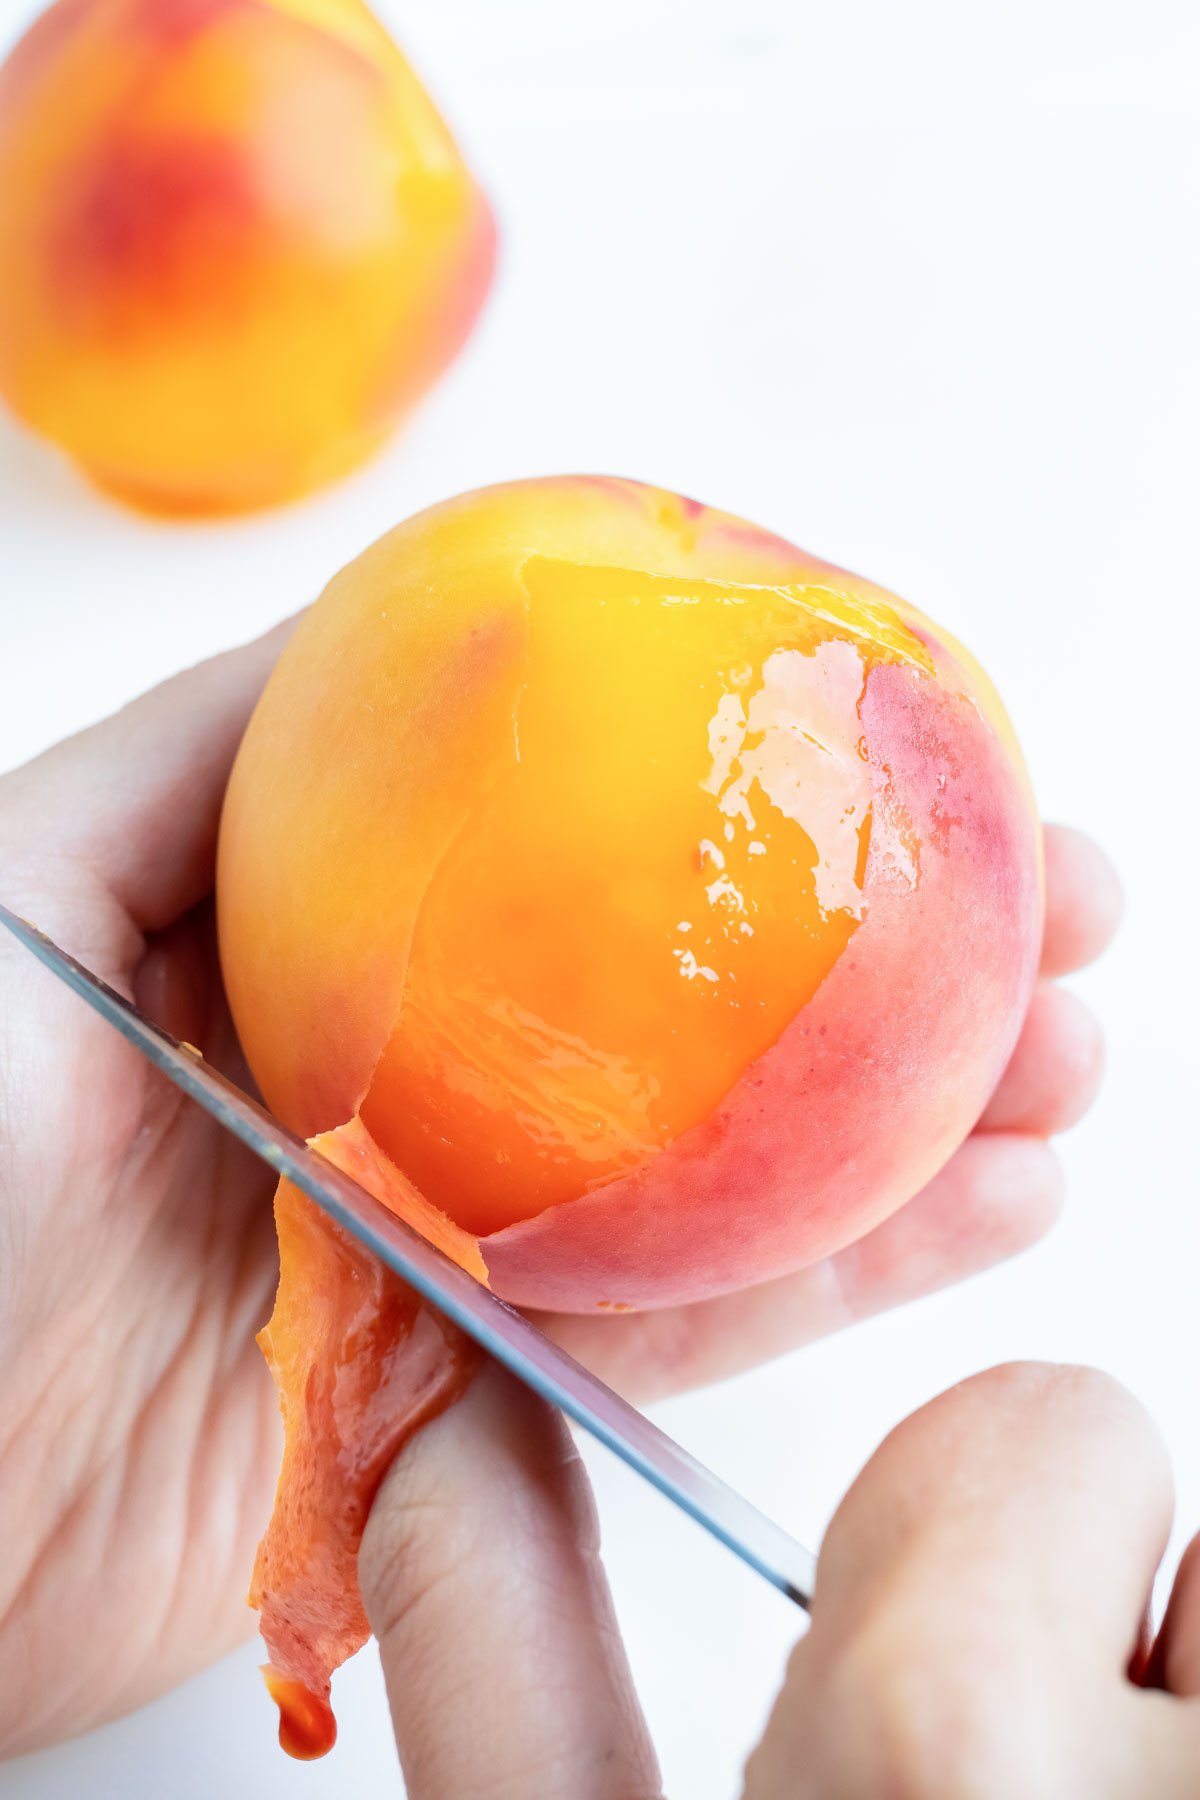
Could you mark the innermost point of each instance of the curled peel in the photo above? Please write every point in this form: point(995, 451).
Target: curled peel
point(360, 1365)
point(352, 1149)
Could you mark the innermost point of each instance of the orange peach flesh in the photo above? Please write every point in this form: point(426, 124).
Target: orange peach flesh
point(645, 891)
point(523, 776)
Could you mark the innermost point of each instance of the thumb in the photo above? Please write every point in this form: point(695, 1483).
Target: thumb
point(481, 1578)
point(979, 1595)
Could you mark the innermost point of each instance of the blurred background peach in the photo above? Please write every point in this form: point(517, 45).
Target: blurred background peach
point(237, 239)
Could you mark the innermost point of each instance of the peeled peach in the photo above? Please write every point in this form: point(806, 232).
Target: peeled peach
point(237, 241)
point(636, 904)
point(661, 901)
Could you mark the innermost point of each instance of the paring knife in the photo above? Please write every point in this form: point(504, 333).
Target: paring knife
point(502, 1331)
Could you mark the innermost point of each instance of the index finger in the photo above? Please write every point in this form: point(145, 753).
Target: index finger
point(481, 1577)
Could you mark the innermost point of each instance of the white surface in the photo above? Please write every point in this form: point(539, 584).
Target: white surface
point(917, 286)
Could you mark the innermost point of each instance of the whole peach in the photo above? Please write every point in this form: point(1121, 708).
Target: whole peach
point(237, 241)
point(643, 905)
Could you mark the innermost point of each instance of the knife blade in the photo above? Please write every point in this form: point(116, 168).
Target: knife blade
point(498, 1328)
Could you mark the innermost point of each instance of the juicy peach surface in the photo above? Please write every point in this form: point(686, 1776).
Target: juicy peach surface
point(661, 902)
point(237, 242)
point(637, 905)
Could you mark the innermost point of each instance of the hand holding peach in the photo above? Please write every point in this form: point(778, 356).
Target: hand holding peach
point(140, 1223)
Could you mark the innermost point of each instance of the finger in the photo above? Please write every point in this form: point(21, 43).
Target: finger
point(174, 982)
point(1175, 1660)
point(999, 1193)
point(1047, 1490)
point(989, 1565)
point(135, 800)
point(177, 983)
point(1055, 1071)
point(1083, 900)
point(481, 1578)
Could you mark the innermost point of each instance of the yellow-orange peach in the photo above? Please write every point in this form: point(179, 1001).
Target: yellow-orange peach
point(639, 906)
point(661, 902)
point(237, 242)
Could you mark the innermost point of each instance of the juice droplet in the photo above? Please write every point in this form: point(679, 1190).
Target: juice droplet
point(307, 1727)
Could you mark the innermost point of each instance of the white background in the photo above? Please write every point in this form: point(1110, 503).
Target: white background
point(918, 286)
